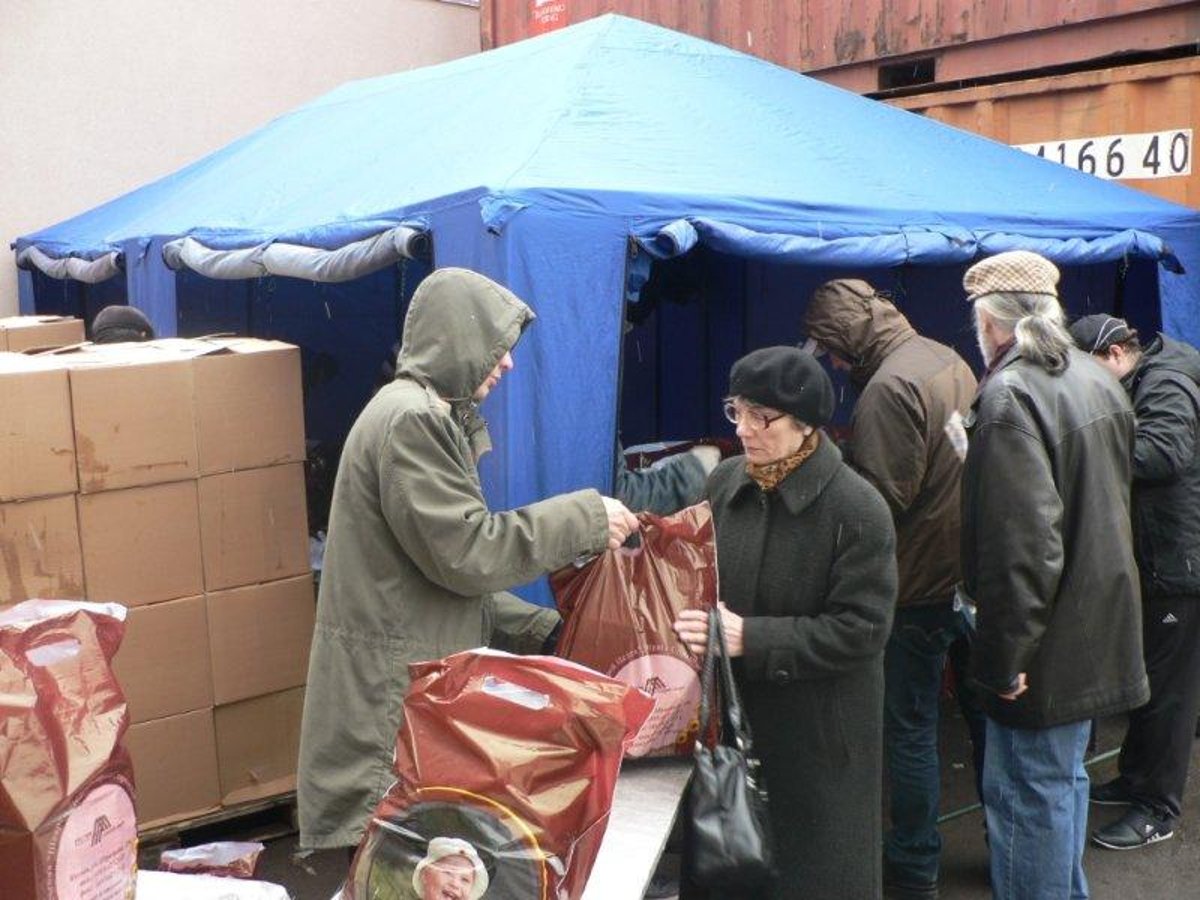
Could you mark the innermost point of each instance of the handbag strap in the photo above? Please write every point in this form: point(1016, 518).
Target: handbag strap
point(729, 700)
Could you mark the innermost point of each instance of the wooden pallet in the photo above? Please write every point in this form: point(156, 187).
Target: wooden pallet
point(258, 820)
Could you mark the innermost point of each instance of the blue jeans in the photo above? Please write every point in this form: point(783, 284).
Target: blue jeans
point(1036, 798)
point(914, 662)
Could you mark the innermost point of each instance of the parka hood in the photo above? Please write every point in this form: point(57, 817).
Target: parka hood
point(459, 325)
point(848, 317)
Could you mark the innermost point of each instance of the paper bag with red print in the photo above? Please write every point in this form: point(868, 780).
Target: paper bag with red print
point(505, 772)
point(618, 611)
point(67, 824)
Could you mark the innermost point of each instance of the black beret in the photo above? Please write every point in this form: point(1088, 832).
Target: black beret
point(116, 324)
point(1099, 332)
point(787, 379)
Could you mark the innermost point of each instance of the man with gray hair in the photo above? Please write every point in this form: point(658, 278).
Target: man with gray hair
point(1048, 562)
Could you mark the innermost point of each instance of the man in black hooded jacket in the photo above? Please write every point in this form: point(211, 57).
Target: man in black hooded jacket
point(1163, 381)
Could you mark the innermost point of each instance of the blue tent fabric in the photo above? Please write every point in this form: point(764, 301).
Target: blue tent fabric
point(537, 163)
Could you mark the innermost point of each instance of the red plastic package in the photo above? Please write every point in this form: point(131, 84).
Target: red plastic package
point(67, 825)
point(227, 859)
point(618, 610)
point(506, 767)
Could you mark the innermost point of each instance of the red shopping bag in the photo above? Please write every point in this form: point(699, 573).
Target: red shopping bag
point(67, 825)
point(506, 767)
point(618, 611)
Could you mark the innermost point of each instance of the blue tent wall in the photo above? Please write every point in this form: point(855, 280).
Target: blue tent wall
point(676, 362)
point(63, 297)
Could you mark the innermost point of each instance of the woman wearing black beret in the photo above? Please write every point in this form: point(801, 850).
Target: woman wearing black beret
point(806, 550)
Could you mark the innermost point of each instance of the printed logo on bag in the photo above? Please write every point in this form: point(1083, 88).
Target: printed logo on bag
point(99, 828)
point(654, 685)
point(676, 691)
point(98, 847)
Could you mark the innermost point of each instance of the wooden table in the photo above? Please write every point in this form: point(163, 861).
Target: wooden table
point(647, 798)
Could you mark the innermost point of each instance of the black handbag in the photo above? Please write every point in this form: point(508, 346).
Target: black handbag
point(730, 834)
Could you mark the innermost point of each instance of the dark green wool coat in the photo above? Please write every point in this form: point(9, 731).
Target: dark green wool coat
point(812, 567)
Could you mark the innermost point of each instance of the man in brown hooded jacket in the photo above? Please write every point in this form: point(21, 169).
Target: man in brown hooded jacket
point(416, 565)
point(904, 427)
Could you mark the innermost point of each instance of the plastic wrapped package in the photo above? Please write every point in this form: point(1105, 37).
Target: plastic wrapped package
point(506, 767)
point(618, 610)
point(228, 859)
point(67, 825)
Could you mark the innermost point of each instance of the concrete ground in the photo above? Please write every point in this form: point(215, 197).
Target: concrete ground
point(1166, 871)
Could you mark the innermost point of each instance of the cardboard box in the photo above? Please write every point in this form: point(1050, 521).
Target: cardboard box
point(253, 526)
point(39, 550)
point(18, 333)
point(175, 767)
point(249, 405)
point(142, 545)
point(260, 638)
point(258, 744)
point(37, 443)
point(163, 663)
point(133, 416)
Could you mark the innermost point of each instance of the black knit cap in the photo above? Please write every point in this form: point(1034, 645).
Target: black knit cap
point(117, 324)
point(787, 379)
point(1096, 333)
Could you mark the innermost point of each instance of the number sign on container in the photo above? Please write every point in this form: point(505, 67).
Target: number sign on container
point(1155, 154)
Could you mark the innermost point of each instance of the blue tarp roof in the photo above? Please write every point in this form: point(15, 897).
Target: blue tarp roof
point(610, 116)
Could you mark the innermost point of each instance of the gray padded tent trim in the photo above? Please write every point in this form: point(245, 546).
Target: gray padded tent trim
point(90, 271)
point(294, 261)
point(214, 263)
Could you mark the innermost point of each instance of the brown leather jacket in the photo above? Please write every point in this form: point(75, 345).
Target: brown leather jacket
point(911, 386)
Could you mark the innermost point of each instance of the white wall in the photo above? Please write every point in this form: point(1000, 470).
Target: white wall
point(100, 96)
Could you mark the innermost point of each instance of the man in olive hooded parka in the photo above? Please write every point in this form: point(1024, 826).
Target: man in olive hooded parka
point(415, 562)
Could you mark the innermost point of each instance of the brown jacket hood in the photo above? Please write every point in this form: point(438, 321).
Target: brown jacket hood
point(848, 317)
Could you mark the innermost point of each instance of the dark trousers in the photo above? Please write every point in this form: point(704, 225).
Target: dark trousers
point(914, 665)
point(1158, 745)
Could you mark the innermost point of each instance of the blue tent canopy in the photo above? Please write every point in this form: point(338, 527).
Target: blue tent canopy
point(563, 166)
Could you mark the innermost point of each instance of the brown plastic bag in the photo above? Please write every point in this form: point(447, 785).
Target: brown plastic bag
point(67, 824)
point(224, 859)
point(506, 767)
point(618, 610)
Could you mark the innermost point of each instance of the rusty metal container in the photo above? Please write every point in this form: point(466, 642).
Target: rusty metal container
point(867, 45)
point(1120, 123)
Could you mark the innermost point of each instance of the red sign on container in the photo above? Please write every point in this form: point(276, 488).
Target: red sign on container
point(547, 15)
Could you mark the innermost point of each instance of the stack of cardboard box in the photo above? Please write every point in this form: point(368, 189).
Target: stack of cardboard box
point(21, 334)
point(186, 460)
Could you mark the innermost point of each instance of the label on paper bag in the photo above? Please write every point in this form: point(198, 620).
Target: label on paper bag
point(95, 855)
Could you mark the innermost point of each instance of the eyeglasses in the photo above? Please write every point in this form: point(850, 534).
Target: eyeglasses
point(755, 419)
